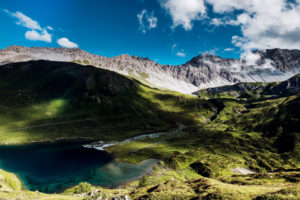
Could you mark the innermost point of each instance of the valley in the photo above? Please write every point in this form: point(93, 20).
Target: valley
point(200, 141)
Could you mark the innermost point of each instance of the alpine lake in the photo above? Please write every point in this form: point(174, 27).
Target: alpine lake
point(55, 166)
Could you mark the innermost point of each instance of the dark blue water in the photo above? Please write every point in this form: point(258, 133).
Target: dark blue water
point(53, 167)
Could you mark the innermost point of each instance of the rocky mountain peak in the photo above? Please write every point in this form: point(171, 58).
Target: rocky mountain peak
point(203, 59)
point(283, 59)
point(128, 57)
point(141, 58)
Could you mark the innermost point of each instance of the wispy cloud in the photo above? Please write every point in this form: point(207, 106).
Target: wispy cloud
point(217, 22)
point(180, 54)
point(24, 20)
point(146, 21)
point(38, 33)
point(65, 42)
point(229, 49)
point(209, 52)
point(50, 28)
point(177, 51)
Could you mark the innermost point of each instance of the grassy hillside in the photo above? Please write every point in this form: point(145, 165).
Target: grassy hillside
point(43, 100)
point(207, 139)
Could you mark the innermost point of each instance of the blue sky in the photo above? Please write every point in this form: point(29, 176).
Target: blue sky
point(167, 31)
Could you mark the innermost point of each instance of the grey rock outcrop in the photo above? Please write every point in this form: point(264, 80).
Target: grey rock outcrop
point(288, 87)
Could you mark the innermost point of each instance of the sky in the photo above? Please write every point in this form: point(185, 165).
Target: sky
point(166, 31)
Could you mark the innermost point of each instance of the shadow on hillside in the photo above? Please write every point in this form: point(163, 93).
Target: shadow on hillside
point(97, 103)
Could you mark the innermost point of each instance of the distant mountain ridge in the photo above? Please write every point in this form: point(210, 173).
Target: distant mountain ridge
point(284, 88)
point(203, 71)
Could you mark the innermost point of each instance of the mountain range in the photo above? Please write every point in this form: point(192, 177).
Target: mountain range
point(203, 71)
point(220, 128)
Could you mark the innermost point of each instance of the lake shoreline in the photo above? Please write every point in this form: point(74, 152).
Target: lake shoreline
point(145, 167)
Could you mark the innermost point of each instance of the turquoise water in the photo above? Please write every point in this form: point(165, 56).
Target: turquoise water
point(53, 167)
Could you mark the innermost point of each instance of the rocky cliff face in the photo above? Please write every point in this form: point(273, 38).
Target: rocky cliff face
point(290, 86)
point(203, 71)
point(284, 88)
point(282, 59)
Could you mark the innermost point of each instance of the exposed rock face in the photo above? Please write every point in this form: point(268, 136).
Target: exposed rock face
point(283, 59)
point(288, 87)
point(238, 87)
point(203, 71)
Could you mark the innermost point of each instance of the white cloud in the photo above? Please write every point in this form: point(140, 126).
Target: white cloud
point(183, 12)
point(38, 36)
point(250, 58)
point(152, 22)
point(180, 54)
point(49, 28)
point(65, 42)
point(264, 24)
point(146, 21)
point(26, 21)
point(217, 22)
point(177, 51)
point(229, 49)
point(227, 5)
point(209, 52)
point(36, 33)
point(174, 46)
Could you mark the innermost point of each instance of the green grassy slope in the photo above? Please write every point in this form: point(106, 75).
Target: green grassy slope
point(43, 100)
point(260, 133)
